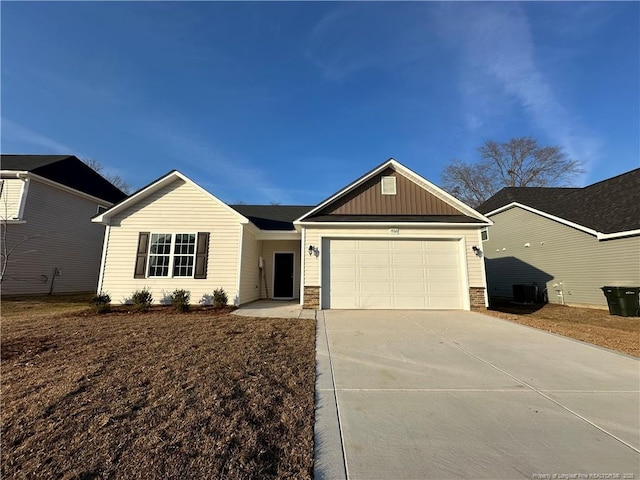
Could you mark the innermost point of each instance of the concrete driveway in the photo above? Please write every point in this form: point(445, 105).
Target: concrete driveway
point(419, 395)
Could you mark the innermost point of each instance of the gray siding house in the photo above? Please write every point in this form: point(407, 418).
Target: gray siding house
point(47, 240)
point(568, 242)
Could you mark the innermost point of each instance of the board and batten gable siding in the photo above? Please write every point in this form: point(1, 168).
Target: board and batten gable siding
point(249, 270)
point(556, 253)
point(313, 236)
point(410, 199)
point(176, 208)
point(10, 198)
point(60, 235)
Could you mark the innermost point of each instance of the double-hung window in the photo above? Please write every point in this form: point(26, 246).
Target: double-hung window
point(172, 254)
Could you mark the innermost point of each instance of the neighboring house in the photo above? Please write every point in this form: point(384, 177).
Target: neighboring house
point(388, 240)
point(46, 206)
point(568, 242)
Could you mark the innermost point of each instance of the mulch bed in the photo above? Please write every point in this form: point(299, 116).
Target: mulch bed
point(157, 395)
point(590, 325)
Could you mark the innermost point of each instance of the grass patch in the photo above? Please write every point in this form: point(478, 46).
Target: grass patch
point(15, 306)
point(157, 395)
point(587, 324)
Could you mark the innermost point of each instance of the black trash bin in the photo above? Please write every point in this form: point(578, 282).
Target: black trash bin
point(623, 301)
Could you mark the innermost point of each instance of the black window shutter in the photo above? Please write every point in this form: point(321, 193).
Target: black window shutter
point(141, 255)
point(202, 252)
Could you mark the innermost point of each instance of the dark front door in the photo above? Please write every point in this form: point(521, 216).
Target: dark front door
point(283, 275)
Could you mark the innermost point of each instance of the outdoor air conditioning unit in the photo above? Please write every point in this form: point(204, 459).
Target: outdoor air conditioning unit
point(525, 293)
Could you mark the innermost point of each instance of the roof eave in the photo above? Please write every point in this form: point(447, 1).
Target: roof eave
point(590, 231)
point(394, 224)
point(161, 182)
point(418, 179)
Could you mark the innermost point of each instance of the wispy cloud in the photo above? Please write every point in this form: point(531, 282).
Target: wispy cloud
point(25, 139)
point(356, 36)
point(499, 71)
point(229, 178)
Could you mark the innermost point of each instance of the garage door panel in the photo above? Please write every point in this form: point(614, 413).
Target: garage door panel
point(401, 288)
point(374, 272)
point(414, 302)
point(408, 246)
point(345, 273)
point(409, 273)
point(373, 287)
point(378, 245)
point(441, 288)
point(349, 258)
point(374, 301)
point(444, 303)
point(374, 258)
point(439, 246)
point(410, 258)
point(379, 274)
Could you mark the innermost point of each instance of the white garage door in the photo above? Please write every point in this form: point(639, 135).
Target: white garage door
point(418, 274)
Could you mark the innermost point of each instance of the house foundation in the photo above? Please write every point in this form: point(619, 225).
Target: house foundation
point(476, 297)
point(311, 297)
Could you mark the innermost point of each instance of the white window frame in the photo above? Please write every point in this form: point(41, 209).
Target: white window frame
point(484, 232)
point(172, 255)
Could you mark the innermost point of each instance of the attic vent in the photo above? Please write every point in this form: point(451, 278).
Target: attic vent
point(388, 185)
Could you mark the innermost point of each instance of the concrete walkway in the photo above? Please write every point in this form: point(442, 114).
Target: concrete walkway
point(435, 395)
point(275, 309)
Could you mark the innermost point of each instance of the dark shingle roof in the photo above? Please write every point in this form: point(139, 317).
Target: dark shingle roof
point(67, 170)
point(272, 217)
point(609, 206)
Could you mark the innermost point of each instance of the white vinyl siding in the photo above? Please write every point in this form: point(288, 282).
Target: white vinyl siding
point(10, 198)
point(469, 235)
point(392, 274)
point(60, 235)
point(557, 255)
point(177, 208)
point(249, 272)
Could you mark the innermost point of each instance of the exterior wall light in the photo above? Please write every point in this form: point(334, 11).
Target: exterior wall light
point(313, 251)
point(477, 251)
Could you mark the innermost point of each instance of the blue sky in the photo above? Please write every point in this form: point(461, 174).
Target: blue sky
point(289, 101)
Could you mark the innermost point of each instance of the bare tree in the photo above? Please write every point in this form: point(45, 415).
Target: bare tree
point(117, 180)
point(11, 246)
point(520, 162)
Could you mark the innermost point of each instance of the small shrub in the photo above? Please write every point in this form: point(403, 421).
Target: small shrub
point(142, 300)
point(180, 300)
point(220, 298)
point(101, 302)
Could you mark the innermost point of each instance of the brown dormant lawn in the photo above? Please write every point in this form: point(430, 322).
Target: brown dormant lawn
point(156, 395)
point(587, 324)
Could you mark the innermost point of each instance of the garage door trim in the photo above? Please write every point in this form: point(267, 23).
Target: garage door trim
point(460, 239)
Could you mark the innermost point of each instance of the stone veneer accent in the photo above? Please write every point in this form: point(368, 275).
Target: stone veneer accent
point(476, 296)
point(311, 297)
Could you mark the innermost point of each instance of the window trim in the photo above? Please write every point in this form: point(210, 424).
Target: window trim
point(484, 232)
point(389, 185)
point(171, 255)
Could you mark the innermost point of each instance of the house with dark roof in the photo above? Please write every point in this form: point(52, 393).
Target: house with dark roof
point(565, 243)
point(48, 242)
point(388, 240)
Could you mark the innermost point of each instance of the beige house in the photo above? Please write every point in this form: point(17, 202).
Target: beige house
point(564, 244)
point(389, 240)
point(47, 241)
